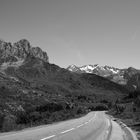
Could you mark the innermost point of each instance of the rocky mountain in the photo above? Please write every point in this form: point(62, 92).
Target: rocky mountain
point(120, 76)
point(16, 53)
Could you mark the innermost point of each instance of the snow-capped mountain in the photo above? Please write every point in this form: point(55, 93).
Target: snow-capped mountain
point(88, 68)
point(74, 68)
point(96, 69)
point(120, 76)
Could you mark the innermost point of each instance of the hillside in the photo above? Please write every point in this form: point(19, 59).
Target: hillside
point(34, 92)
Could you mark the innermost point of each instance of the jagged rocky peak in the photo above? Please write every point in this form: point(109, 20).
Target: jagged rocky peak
point(23, 45)
point(19, 51)
point(73, 68)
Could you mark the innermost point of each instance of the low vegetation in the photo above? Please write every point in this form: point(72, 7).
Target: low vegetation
point(32, 107)
point(128, 110)
point(38, 93)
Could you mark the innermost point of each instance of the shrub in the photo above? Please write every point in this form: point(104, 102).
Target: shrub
point(100, 107)
point(1, 119)
point(34, 116)
point(9, 123)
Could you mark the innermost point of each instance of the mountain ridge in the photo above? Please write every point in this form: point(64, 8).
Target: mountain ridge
point(120, 76)
point(19, 51)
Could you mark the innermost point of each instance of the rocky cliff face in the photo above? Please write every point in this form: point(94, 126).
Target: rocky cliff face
point(20, 51)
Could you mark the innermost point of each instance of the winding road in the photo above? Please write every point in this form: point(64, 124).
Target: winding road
point(93, 126)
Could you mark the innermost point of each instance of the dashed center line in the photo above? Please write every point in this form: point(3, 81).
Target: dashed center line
point(86, 123)
point(107, 131)
point(48, 137)
point(67, 130)
point(80, 125)
point(63, 132)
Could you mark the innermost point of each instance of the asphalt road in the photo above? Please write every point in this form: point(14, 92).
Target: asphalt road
point(93, 126)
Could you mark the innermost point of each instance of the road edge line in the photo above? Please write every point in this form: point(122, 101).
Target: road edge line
point(110, 129)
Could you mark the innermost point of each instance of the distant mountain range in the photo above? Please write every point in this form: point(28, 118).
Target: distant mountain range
point(96, 69)
point(129, 77)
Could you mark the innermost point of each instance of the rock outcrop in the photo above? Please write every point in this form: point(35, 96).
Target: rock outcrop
point(20, 51)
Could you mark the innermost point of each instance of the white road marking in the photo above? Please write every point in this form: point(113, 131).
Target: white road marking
point(106, 134)
point(80, 125)
point(90, 120)
point(67, 130)
point(86, 123)
point(48, 137)
point(107, 131)
point(95, 115)
point(108, 122)
point(124, 125)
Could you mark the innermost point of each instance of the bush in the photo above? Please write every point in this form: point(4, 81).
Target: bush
point(101, 107)
point(1, 119)
point(34, 116)
point(80, 110)
point(22, 117)
point(9, 123)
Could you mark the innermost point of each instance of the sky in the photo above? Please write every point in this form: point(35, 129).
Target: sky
point(80, 32)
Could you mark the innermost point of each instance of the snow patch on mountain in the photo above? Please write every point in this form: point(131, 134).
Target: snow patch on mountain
point(87, 68)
